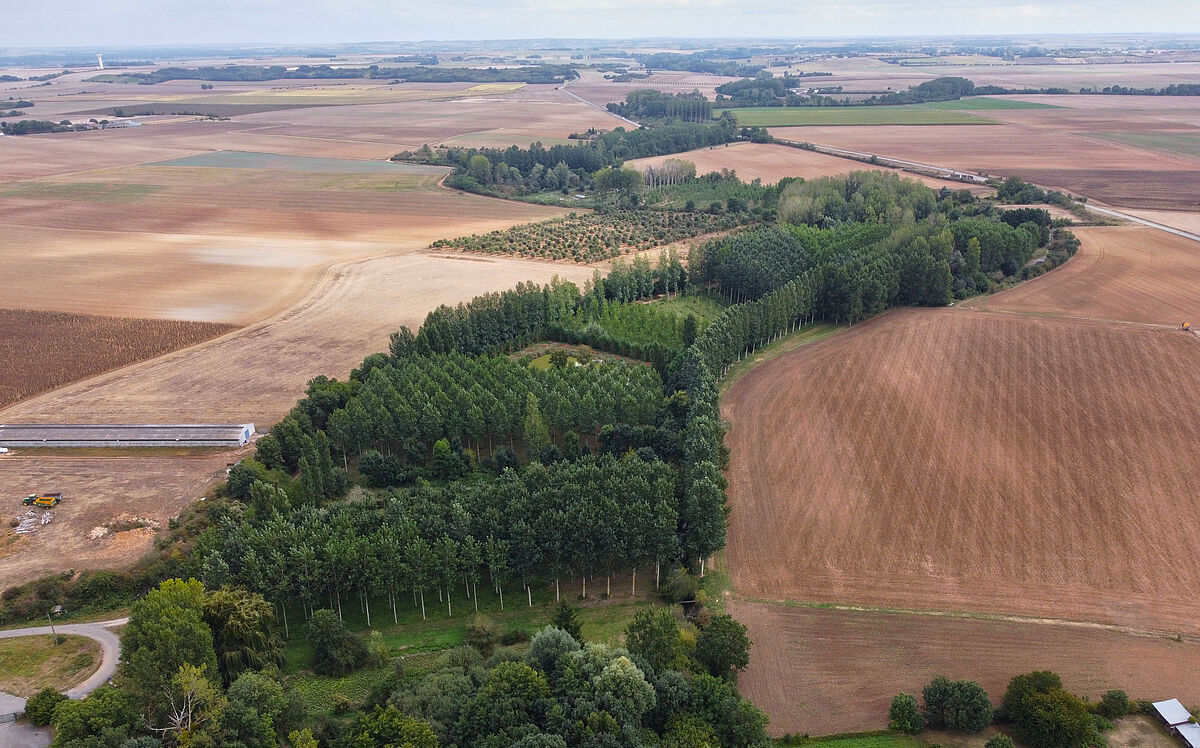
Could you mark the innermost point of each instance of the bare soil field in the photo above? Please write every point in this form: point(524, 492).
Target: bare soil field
point(1127, 273)
point(221, 244)
point(770, 163)
point(258, 373)
point(1076, 148)
point(1185, 220)
point(96, 492)
point(974, 461)
point(43, 350)
point(827, 671)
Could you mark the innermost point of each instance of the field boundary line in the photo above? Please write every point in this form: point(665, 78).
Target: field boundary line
point(968, 615)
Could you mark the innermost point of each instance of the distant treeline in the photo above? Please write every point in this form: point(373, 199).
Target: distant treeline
point(697, 62)
point(1175, 89)
point(32, 127)
point(767, 90)
point(419, 74)
point(16, 103)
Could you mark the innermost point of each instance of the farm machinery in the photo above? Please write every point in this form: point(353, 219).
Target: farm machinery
point(44, 500)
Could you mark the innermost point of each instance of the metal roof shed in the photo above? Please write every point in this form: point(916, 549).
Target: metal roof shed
point(1172, 712)
point(1190, 733)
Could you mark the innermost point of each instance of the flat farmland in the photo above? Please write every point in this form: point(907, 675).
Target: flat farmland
point(829, 671)
point(860, 115)
point(1115, 173)
point(258, 373)
point(43, 350)
point(973, 461)
point(222, 237)
point(770, 163)
point(1128, 273)
point(96, 492)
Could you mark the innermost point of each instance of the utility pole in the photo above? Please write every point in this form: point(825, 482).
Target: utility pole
point(52, 631)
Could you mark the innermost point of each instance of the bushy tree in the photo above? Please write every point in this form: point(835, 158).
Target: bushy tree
point(1113, 704)
point(241, 624)
point(107, 713)
point(1044, 715)
point(386, 727)
point(904, 715)
point(336, 651)
point(999, 741)
point(957, 705)
point(166, 630)
point(547, 646)
point(723, 646)
point(40, 707)
point(653, 635)
point(566, 617)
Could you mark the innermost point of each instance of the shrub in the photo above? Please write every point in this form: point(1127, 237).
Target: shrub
point(1113, 704)
point(336, 651)
point(904, 714)
point(957, 705)
point(481, 634)
point(514, 636)
point(1046, 716)
point(999, 741)
point(40, 707)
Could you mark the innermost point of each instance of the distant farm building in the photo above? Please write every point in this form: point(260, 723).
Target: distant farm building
point(1172, 712)
point(126, 435)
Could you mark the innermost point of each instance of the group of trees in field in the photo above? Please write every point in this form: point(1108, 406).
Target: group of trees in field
point(562, 692)
point(543, 524)
point(515, 172)
point(1035, 707)
point(766, 90)
point(714, 62)
point(33, 127)
point(647, 103)
point(198, 667)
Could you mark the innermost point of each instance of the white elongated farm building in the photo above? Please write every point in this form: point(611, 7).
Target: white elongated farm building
point(125, 434)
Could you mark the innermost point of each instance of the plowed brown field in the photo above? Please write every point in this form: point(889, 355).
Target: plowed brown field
point(826, 671)
point(946, 459)
point(770, 163)
point(1128, 273)
point(42, 350)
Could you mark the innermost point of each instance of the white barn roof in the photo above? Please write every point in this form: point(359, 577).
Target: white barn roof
point(1190, 733)
point(1172, 711)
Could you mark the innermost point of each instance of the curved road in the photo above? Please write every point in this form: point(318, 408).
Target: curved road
point(110, 652)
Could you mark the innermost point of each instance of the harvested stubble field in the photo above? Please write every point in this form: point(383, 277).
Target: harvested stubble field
point(216, 240)
point(96, 491)
point(973, 461)
point(258, 373)
point(43, 350)
point(770, 163)
point(1126, 273)
point(827, 671)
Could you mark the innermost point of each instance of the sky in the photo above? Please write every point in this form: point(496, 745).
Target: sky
point(98, 23)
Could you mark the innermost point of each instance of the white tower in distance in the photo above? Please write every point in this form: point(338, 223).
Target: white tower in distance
point(100, 61)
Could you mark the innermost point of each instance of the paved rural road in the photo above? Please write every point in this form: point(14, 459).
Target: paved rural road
point(110, 652)
point(563, 88)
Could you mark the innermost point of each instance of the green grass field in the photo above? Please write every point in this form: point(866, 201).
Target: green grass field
point(1185, 143)
point(852, 115)
point(706, 307)
point(31, 663)
point(985, 103)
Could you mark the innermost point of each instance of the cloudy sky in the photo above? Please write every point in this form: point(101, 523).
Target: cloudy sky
point(155, 22)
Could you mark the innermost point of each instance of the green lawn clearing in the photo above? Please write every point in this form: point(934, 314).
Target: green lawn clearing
point(30, 663)
point(706, 307)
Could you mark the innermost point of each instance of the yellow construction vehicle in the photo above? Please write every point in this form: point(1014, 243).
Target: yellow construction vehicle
point(45, 500)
